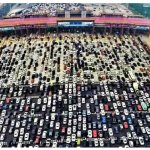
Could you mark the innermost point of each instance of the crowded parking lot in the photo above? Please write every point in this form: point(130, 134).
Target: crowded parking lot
point(74, 90)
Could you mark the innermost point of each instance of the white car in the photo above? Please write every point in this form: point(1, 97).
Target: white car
point(3, 113)
point(70, 107)
point(21, 131)
point(118, 103)
point(84, 120)
point(17, 124)
point(101, 142)
point(68, 140)
point(54, 145)
point(73, 137)
point(22, 102)
point(79, 118)
point(28, 100)
point(4, 129)
point(39, 131)
point(10, 130)
point(90, 133)
point(74, 107)
point(2, 121)
point(84, 127)
point(124, 139)
point(44, 134)
point(41, 122)
point(26, 137)
point(123, 104)
point(52, 116)
point(78, 134)
point(128, 135)
point(69, 131)
point(51, 124)
point(83, 100)
point(147, 130)
point(115, 105)
point(45, 100)
point(69, 122)
point(75, 122)
point(141, 140)
point(57, 125)
point(39, 101)
point(2, 137)
point(101, 106)
point(140, 122)
point(53, 108)
point(110, 131)
point(143, 130)
point(20, 139)
point(104, 127)
point(35, 121)
point(16, 133)
point(131, 127)
point(33, 105)
point(44, 108)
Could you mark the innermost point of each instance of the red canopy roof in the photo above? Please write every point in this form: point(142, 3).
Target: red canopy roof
point(53, 21)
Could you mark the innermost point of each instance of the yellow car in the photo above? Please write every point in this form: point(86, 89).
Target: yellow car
point(78, 141)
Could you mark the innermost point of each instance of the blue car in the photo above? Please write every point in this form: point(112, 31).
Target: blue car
point(5, 107)
point(116, 130)
point(129, 120)
point(103, 119)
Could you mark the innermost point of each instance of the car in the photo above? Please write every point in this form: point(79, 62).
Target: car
point(17, 124)
point(101, 142)
point(39, 132)
point(104, 127)
point(96, 142)
point(44, 134)
point(26, 137)
point(90, 133)
point(94, 133)
point(147, 130)
point(73, 137)
point(69, 131)
point(110, 131)
point(54, 144)
point(16, 133)
point(141, 140)
point(57, 125)
point(2, 137)
point(37, 140)
point(21, 131)
point(78, 134)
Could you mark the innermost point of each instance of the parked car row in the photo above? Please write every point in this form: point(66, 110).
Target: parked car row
point(85, 115)
point(76, 57)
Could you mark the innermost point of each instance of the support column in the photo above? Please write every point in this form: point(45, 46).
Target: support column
point(121, 30)
point(105, 30)
point(128, 30)
point(110, 29)
point(93, 29)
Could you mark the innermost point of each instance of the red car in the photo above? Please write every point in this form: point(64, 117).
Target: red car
point(63, 130)
point(142, 69)
point(78, 88)
point(37, 140)
point(125, 124)
point(27, 108)
point(94, 132)
point(8, 100)
point(78, 74)
point(139, 107)
point(106, 107)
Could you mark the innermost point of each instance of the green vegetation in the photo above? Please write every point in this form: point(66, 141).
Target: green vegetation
point(140, 9)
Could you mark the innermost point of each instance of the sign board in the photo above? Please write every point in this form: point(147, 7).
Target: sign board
point(75, 23)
